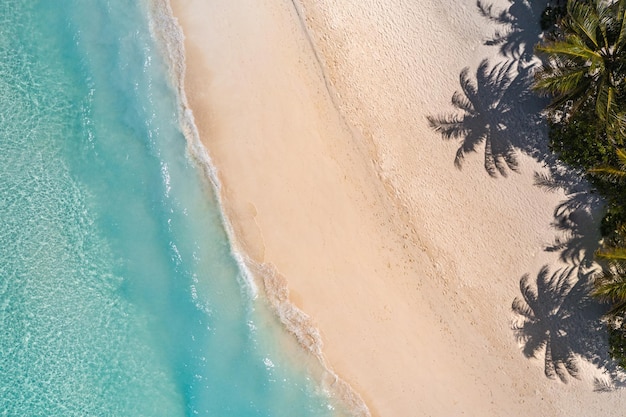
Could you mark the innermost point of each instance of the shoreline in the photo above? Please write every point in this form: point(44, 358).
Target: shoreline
point(322, 198)
point(295, 321)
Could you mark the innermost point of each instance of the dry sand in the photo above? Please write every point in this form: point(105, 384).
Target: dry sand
point(315, 116)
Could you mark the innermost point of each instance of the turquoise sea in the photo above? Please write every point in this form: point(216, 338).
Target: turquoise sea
point(119, 294)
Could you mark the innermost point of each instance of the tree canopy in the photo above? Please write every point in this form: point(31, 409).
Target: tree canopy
point(585, 62)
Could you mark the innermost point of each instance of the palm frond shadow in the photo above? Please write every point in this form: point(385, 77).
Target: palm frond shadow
point(602, 385)
point(613, 378)
point(557, 317)
point(494, 110)
point(521, 29)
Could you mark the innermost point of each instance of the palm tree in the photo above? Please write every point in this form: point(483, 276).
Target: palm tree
point(486, 108)
point(611, 285)
point(587, 63)
point(613, 174)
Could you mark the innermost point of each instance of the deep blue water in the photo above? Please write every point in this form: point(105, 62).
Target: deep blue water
point(119, 295)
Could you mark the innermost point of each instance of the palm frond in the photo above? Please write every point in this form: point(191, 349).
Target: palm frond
point(608, 172)
point(618, 308)
point(610, 287)
point(573, 47)
point(621, 156)
point(605, 101)
point(612, 254)
point(611, 173)
point(557, 81)
point(583, 65)
point(620, 43)
point(620, 126)
point(584, 20)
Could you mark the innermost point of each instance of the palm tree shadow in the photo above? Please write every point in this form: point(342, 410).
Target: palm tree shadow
point(498, 108)
point(557, 316)
point(494, 110)
point(522, 30)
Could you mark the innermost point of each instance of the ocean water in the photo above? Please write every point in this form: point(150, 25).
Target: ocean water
point(119, 295)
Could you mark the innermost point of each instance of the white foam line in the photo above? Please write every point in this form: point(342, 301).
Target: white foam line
point(169, 35)
point(165, 28)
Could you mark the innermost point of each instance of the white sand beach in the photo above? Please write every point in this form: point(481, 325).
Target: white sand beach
point(315, 116)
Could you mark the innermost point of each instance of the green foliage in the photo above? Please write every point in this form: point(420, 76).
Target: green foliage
point(610, 180)
point(614, 218)
point(610, 286)
point(580, 141)
point(586, 64)
point(617, 341)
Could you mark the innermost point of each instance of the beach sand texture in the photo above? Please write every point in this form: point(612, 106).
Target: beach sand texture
point(315, 115)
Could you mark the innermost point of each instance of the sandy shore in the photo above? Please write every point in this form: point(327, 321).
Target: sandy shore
point(315, 116)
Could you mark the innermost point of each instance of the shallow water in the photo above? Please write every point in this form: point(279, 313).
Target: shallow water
point(119, 295)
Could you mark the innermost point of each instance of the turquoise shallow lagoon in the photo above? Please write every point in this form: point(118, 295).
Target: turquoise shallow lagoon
point(119, 295)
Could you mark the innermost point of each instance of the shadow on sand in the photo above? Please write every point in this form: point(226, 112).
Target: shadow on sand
point(520, 27)
point(556, 316)
point(552, 307)
point(496, 107)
